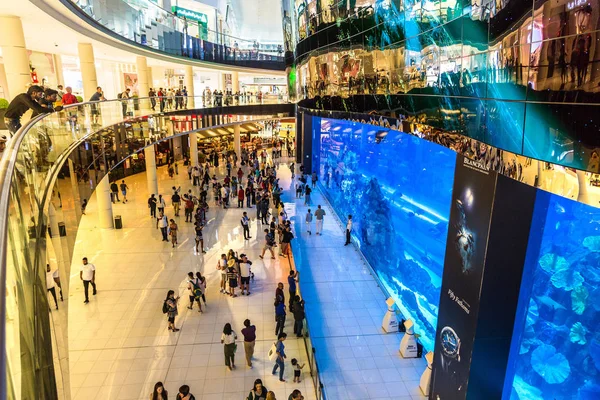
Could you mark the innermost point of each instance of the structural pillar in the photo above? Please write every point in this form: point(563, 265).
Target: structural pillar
point(14, 54)
point(151, 79)
point(88, 69)
point(236, 140)
point(235, 82)
point(223, 82)
point(105, 212)
point(583, 196)
point(189, 84)
point(142, 73)
point(150, 157)
point(194, 149)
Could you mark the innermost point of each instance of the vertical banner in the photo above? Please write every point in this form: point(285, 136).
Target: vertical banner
point(468, 230)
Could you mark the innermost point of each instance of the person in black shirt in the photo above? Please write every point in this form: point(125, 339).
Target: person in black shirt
point(21, 104)
point(152, 205)
point(114, 190)
point(50, 97)
point(97, 96)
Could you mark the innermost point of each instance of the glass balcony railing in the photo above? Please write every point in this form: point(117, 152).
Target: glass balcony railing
point(42, 192)
point(146, 24)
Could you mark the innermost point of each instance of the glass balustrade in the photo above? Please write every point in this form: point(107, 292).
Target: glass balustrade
point(146, 24)
point(41, 197)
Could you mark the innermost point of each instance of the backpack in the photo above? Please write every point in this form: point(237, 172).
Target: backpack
point(120, 96)
point(270, 239)
point(165, 307)
point(196, 291)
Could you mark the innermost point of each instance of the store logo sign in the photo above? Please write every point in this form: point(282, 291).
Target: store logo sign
point(575, 3)
point(190, 14)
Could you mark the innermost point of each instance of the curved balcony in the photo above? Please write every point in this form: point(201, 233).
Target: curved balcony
point(40, 206)
point(146, 25)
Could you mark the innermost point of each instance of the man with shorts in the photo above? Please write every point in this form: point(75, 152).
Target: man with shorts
point(245, 274)
point(222, 267)
point(124, 188)
point(269, 243)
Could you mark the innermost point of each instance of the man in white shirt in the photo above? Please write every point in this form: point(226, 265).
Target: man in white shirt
point(319, 216)
point(163, 223)
point(88, 275)
point(245, 274)
point(50, 283)
point(348, 230)
point(222, 267)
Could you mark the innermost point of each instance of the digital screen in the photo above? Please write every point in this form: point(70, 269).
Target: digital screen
point(398, 189)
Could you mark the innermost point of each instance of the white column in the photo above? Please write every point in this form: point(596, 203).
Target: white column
point(222, 82)
point(142, 73)
point(194, 149)
point(60, 78)
point(583, 196)
point(14, 54)
point(235, 82)
point(105, 213)
point(150, 157)
point(189, 84)
point(88, 69)
point(236, 140)
point(150, 79)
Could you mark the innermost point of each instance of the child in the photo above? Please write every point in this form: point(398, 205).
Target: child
point(297, 370)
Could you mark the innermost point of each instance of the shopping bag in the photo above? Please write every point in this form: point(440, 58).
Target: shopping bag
point(272, 352)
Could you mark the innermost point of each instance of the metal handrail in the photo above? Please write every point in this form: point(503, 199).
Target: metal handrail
point(8, 168)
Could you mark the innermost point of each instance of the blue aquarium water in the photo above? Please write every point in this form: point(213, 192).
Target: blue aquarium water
point(555, 353)
point(398, 189)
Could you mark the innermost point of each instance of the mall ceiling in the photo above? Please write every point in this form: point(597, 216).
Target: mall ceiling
point(259, 18)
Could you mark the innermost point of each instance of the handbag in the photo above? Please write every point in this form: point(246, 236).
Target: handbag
point(272, 352)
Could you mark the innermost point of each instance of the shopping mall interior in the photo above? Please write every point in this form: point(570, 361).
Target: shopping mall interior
point(369, 199)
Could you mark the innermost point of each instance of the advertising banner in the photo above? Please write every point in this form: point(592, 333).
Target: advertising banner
point(468, 229)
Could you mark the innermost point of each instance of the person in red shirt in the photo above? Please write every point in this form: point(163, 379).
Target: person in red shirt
point(69, 97)
point(240, 197)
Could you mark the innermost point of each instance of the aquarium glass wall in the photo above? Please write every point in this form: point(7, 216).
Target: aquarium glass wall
point(398, 189)
point(555, 351)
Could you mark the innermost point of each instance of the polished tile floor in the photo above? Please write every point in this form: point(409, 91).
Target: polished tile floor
point(119, 343)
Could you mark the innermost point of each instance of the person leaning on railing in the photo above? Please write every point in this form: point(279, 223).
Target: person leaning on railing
point(21, 104)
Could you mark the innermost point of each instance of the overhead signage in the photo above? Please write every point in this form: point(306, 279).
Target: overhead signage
point(190, 14)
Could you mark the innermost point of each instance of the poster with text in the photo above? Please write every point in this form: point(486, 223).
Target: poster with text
point(470, 215)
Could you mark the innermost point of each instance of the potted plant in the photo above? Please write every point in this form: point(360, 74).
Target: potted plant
point(3, 107)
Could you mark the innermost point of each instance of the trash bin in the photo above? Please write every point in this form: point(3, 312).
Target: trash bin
point(62, 229)
point(118, 222)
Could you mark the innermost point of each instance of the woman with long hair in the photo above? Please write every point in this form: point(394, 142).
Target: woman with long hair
point(159, 392)
point(171, 306)
point(258, 392)
point(271, 396)
point(228, 339)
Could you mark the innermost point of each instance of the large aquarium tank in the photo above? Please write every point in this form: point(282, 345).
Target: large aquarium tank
point(398, 189)
point(555, 351)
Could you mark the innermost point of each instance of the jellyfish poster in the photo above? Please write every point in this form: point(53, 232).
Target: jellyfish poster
point(470, 215)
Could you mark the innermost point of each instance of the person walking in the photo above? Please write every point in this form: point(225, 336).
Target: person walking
point(195, 291)
point(159, 392)
point(286, 240)
point(246, 225)
point(308, 219)
point(163, 223)
point(307, 193)
point(176, 201)
point(279, 315)
point(258, 392)
point(314, 179)
point(249, 333)
point(269, 243)
point(51, 284)
point(88, 275)
point(188, 208)
point(202, 280)
point(228, 338)
point(240, 196)
point(319, 214)
point(245, 273)
point(199, 238)
point(279, 361)
point(152, 205)
point(123, 186)
point(184, 393)
point(170, 308)
point(114, 191)
point(348, 230)
point(173, 232)
point(160, 204)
